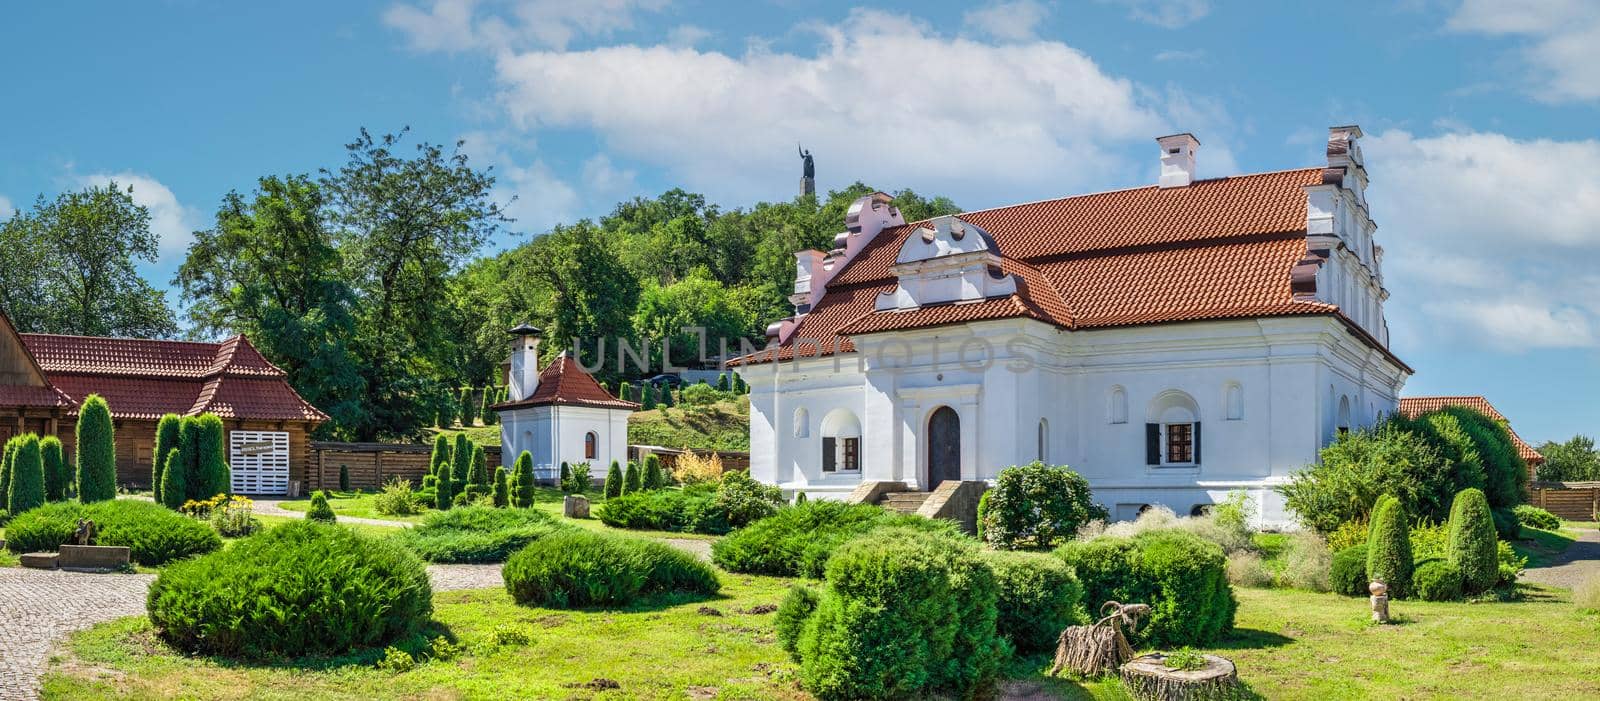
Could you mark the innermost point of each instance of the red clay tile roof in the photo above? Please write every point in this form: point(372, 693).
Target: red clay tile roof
point(566, 383)
point(1412, 407)
point(144, 379)
point(32, 396)
point(1217, 249)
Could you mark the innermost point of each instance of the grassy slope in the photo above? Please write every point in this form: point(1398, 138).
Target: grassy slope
point(720, 426)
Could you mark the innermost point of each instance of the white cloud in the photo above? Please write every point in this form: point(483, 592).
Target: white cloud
point(1488, 237)
point(531, 193)
point(601, 177)
point(1170, 14)
point(687, 35)
point(1003, 119)
point(170, 220)
point(6, 208)
point(1562, 53)
point(1014, 20)
point(457, 25)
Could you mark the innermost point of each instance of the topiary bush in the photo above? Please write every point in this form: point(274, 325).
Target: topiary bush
point(25, 489)
point(1037, 598)
point(96, 451)
point(320, 510)
point(654, 477)
point(797, 541)
point(1438, 580)
point(575, 568)
point(460, 462)
point(153, 534)
point(522, 481)
point(1389, 557)
point(476, 533)
point(211, 459)
point(479, 484)
point(440, 459)
point(1348, 573)
point(57, 478)
point(1037, 506)
point(344, 478)
point(1535, 517)
point(5, 469)
point(613, 484)
point(903, 614)
point(688, 510)
point(1472, 542)
point(174, 480)
point(502, 488)
point(304, 588)
point(168, 439)
point(1183, 577)
point(790, 619)
point(632, 480)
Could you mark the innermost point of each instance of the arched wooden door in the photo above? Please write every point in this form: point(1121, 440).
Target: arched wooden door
point(944, 446)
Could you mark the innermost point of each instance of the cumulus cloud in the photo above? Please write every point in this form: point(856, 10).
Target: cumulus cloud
point(1009, 118)
point(1170, 14)
point(462, 25)
point(527, 188)
point(1562, 49)
point(170, 220)
point(1488, 236)
point(1016, 20)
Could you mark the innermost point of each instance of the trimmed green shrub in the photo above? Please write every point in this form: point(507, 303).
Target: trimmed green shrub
point(613, 485)
point(57, 478)
point(502, 488)
point(1389, 547)
point(344, 478)
point(1183, 577)
point(476, 534)
point(1348, 573)
point(153, 534)
point(1037, 506)
point(444, 489)
point(441, 457)
point(564, 478)
point(798, 540)
point(1505, 472)
point(304, 588)
point(1445, 433)
point(26, 488)
point(1506, 524)
point(189, 459)
point(903, 614)
point(800, 498)
point(1361, 465)
point(1472, 542)
point(983, 509)
point(5, 470)
point(575, 568)
point(522, 481)
point(478, 481)
point(174, 480)
point(211, 458)
point(469, 408)
point(735, 501)
point(700, 394)
point(96, 451)
point(632, 480)
point(461, 462)
point(790, 619)
point(1037, 597)
point(320, 510)
point(722, 382)
point(741, 500)
point(1533, 517)
point(1438, 580)
point(654, 477)
point(168, 439)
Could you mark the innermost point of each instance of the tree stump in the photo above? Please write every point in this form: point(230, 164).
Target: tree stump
point(1148, 678)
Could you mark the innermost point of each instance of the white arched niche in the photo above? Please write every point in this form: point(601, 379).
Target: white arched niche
point(841, 442)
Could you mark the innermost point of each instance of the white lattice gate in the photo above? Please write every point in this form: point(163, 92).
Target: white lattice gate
point(260, 462)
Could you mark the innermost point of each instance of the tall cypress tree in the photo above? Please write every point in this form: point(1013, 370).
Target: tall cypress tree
point(57, 478)
point(632, 481)
point(461, 461)
point(211, 457)
point(654, 476)
point(5, 468)
point(174, 485)
point(444, 490)
point(189, 450)
point(441, 454)
point(468, 407)
point(613, 486)
point(564, 478)
point(166, 439)
point(478, 484)
point(522, 494)
point(26, 490)
point(96, 451)
point(648, 392)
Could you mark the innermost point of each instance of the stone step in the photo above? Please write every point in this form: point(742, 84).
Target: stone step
point(903, 502)
point(41, 561)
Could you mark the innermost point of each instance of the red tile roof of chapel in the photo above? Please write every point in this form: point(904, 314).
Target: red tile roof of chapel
point(1412, 407)
point(566, 383)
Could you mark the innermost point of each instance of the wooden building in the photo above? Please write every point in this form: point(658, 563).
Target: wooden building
point(44, 377)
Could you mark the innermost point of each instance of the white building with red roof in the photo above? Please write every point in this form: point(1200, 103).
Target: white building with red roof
point(1172, 343)
point(558, 413)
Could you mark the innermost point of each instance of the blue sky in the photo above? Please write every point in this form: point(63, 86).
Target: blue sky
point(1479, 118)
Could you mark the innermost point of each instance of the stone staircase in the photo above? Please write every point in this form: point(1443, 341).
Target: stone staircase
point(904, 502)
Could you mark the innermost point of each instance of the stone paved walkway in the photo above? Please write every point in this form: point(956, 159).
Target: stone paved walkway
point(1579, 562)
point(39, 607)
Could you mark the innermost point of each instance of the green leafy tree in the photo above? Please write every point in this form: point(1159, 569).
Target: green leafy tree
point(462, 460)
point(70, 265)
point(654, 476)
point(613, 485)
point(1362, 465)
point(632, 479)
point(57, 478)
point(502, 488)
point(1575, 460)
point(1389, 547)
point(174, 480)
point(1472, 541)
point(96, 449)
point(211, 457)
point(522, 494)
point(26, 488)
point(167, 438)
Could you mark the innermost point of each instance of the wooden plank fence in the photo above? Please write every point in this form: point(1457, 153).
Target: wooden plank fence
point(1573, 501)
point(372, 464)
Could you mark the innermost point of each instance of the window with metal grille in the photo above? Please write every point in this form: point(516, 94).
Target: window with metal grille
point(852, 454)
point(1180, 443)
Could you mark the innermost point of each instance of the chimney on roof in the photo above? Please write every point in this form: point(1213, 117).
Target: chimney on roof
point(1177, 159)
point(524, 376)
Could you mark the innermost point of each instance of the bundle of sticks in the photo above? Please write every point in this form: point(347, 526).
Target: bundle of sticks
point(1093, 650)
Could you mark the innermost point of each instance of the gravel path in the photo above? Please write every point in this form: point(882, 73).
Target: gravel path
point(1576, 564)
point(38, 607)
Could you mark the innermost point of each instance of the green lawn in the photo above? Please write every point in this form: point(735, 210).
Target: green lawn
point(1541, 547)
point(356, 504)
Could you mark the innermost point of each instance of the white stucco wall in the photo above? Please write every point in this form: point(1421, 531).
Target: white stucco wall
point(555, 434)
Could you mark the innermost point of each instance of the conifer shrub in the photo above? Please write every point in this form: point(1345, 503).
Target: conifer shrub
point(613, 485)
point(441, 454)
point(5, 470)
point(96, 451)
point(1438, 580)
point(797, 541)
point(461, 461)
point(153, 534)
point(1037, 598)
point(57, 478)
point(648, 394)
point(1183, 577)
point(502, 488)
point(476, 534)
point(174, 480)
point(632, 479)
point(469, 408)
point(578, 479)
point(575, 568)
point(396, 498)
point(903, 614)
point(1347, 574)
point(478, 481)
point(1535, 517)
point(26, 488)
point(304, 588)
point(654, 477)
point(1389, 547)
point(189, 459)
point(1037, 506)
point(522, 482)
point(211, 458)
point(790, 618)
point(344, 478)
point(722, 382)
point(799, 498)
point(167, 440)
point(564, 477)
point(443, 490)
point(320, 510)
point(1472, 542)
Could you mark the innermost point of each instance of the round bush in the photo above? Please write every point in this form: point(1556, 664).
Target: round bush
point(320, 510)
point(1389, 557)
point(1438, 580)
point(154, 535)
point(1535, 517)
point(1348, 573)
point(1472, 542)
point(1184, 579)
point(476, 533)
point(576, 568)
point(304, 588)
point(1037, 597)
point(1037, 506)
point(798, 540)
